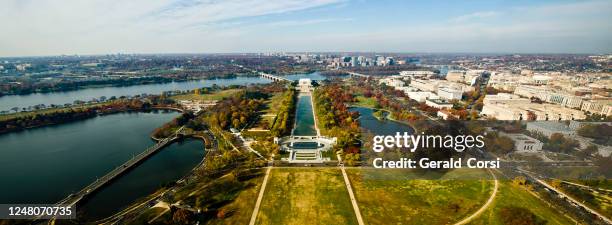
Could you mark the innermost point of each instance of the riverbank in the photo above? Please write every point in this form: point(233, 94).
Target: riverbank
point(30, 120)
point(69, 87)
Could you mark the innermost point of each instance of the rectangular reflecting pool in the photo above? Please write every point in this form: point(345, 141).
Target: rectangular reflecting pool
point(304, 118)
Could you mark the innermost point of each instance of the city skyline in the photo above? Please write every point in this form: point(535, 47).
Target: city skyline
point(101, 27)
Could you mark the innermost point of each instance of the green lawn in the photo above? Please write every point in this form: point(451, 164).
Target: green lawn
point(270, 111)
point(511, 195)
point(393, 196)
point(207, 97)
point(366, 102)
point(235, 196)
point(241, 207)
point(306, 196)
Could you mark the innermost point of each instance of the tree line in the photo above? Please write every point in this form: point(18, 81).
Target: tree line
point(70, 114)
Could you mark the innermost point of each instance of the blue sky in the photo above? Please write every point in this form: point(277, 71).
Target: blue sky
point(51, 27)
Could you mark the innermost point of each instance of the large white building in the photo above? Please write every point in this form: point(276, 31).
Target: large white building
point(548, 128)
point(455, 76)
point(433, 85)
point(450, 93)
point(439, 103)
point(524, 143)
point(421, 96)
point(504, 81)
point(509, 107)
point(392, 81)
point(305, 85)
point(548, 95)
point(505, 98)
point(416, 74)
point(601, 107)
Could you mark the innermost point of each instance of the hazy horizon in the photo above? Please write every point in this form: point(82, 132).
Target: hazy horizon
point(102, 27)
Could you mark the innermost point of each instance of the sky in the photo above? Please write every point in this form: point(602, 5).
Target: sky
point(55, 27)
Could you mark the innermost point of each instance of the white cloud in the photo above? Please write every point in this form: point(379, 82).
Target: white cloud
point(475, 16)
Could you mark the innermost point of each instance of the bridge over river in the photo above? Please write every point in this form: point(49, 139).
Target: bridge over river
point(73, 199)
point(273, 77)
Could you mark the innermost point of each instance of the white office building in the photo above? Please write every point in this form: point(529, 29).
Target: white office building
point(449, 93)
point(548, 128)
point(524, 143)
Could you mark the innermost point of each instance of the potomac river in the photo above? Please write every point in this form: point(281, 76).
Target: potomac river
point(60, 98)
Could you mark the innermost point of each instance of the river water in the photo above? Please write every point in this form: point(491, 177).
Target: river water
point(60, 98)
point(368, 122)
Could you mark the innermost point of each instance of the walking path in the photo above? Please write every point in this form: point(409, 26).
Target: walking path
point(563, 195)
point(350, 191)
point(485, 206)
point(260, 197)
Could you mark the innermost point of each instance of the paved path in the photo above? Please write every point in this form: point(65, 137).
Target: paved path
point(350, 191)
point(260, 197)
point(485, 206)
point(563, 195)
point(587, 187)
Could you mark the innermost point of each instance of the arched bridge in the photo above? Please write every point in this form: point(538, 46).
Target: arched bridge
point(273, 77)
point(353, 74)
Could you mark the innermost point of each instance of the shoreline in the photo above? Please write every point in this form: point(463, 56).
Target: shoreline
point(84, 87)
point(96, 114)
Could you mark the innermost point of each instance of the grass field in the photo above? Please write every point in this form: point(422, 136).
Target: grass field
point(242, 205)
point(268, 115)
point(236, 197)
point(207, 97)
point(366, 102)
point(306, 196)
point(511, 195)
point(392, 196)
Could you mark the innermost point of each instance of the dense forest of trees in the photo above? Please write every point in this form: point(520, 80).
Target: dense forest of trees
point(334, 117)
point(235, 112)
point(283, 122)
point(601, 133)
point(169, 128)
point(43, 87)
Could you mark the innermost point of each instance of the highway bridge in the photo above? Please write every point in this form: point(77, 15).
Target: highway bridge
point(73, 199)
point(273, 77)
point(353, 74)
